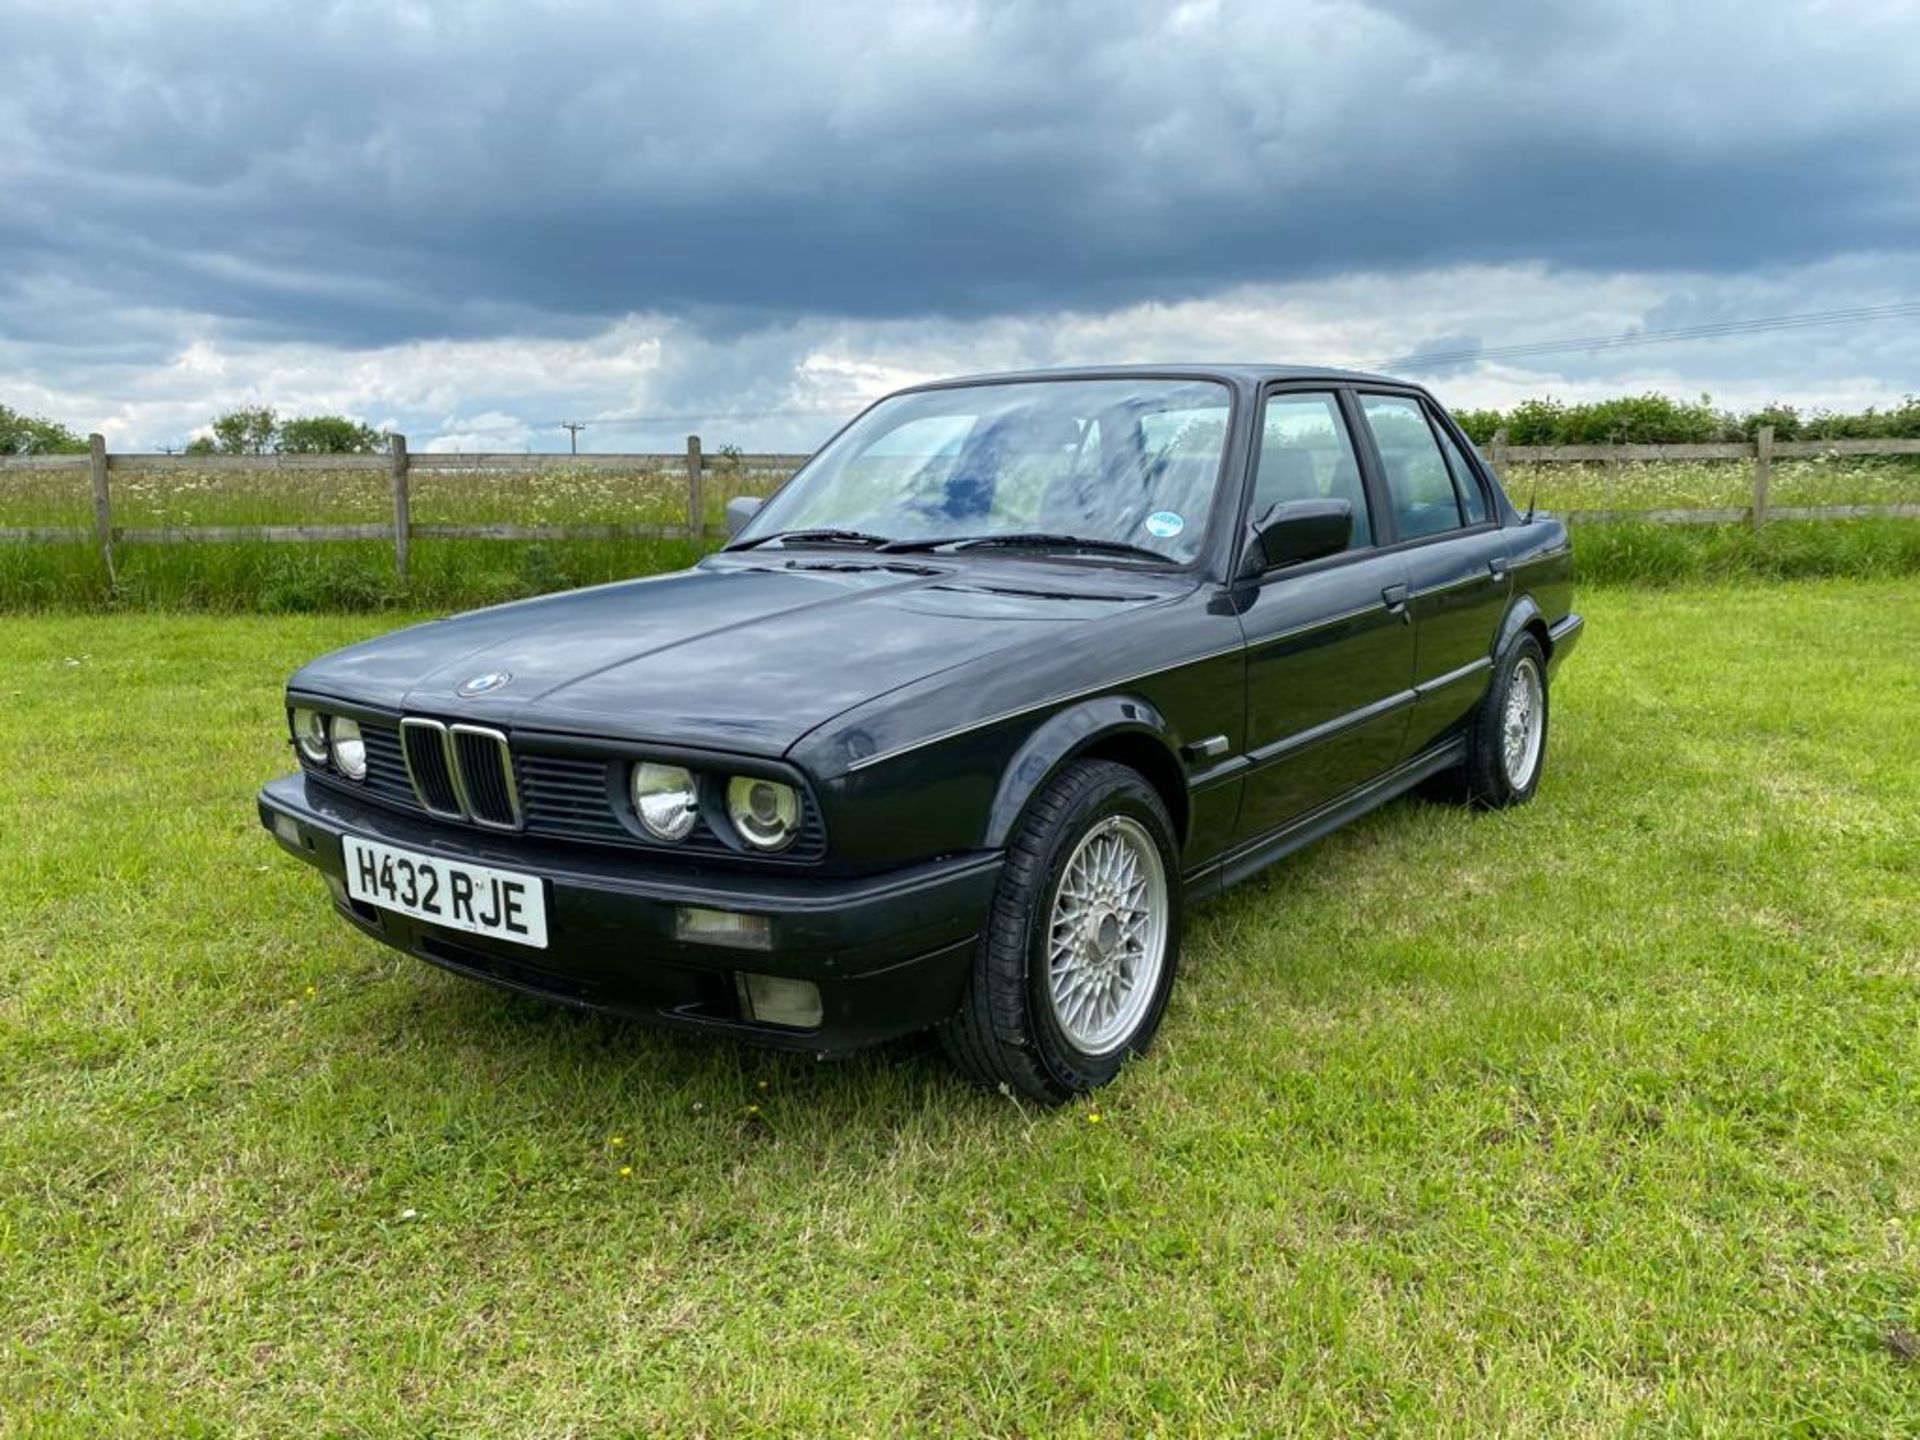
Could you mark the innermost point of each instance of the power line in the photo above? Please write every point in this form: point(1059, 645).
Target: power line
point(695, 417)
point(1760, 325)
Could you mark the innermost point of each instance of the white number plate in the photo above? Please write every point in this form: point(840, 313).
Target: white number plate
point(475, 898)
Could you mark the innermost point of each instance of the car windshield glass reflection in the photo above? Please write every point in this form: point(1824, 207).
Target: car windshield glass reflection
point(1129, 466)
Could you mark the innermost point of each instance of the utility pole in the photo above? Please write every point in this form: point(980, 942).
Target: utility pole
point(573, 429)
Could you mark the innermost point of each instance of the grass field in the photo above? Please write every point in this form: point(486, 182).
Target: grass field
point(1597, 1116)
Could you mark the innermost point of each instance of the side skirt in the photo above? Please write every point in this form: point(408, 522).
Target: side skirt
point(1256, 855)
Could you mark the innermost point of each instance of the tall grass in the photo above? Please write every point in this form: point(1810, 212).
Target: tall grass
point(1634, 553)
point(266, 577)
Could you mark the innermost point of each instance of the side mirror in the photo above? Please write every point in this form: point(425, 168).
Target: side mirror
point(1296, 531)
point(740, 509)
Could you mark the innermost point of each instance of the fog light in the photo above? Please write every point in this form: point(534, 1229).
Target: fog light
point(723, 927)
point(287, 829)
point(777, 1000)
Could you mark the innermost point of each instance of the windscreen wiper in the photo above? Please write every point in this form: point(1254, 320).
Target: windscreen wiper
point(816, 537)
point(1028, 540)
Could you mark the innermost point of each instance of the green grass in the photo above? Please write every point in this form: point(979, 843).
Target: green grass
point(1596, 1116)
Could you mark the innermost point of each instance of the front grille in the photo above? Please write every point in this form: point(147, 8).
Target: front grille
point(552, 796)
point(386, 764)
point(568, 796)
point(486, 775)
point(430, 767)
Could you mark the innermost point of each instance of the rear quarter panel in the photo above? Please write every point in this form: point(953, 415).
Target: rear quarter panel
point(1540, 554)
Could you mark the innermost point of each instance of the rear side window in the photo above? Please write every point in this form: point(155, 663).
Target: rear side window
point(1473, 499)
point(1307, 454)
point(1419, 486)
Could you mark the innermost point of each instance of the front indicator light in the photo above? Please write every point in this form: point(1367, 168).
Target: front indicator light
point(349, 749)
point(765, 812)
point(665, 800)
point(310, 733)
point(778, 1000)
point(722, 927)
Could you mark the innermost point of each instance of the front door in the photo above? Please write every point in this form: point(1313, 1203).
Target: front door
point(1329, 644)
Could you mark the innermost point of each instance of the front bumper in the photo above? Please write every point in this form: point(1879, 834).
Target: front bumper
point(889, 953)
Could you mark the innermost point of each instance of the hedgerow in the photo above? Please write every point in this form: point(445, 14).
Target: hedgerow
point(1654, 419)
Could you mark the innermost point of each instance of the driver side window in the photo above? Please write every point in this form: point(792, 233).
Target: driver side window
point(1307, 454)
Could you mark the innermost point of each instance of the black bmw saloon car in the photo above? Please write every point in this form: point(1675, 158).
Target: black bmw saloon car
point(957, 723)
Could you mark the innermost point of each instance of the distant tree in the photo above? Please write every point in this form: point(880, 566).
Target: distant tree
point(247, 431)
point(328, 435)
point(31, 435)
point(202, 445)
point(1479, 424)
point(1784, 419)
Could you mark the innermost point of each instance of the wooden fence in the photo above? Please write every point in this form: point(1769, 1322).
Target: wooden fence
point(399, 465)
point(402, 529)
point(1761, 451)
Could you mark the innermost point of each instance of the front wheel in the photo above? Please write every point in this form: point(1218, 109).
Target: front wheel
point(1507, 741)
point(1079, 949)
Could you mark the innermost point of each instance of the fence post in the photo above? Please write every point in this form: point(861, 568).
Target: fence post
point(1762, 473)
point(102, 504)
point(696, 506)
point(402, 506)
point(1500, 452)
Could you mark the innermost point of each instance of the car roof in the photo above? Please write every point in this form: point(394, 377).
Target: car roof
point(1238, 372)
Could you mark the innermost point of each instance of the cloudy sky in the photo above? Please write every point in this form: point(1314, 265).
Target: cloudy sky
point(470, 220)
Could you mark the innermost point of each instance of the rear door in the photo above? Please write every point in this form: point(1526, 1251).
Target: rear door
point(1455, 553)
point(1329, 643)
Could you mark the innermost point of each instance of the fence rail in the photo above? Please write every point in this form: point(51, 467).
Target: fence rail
point(400, 465)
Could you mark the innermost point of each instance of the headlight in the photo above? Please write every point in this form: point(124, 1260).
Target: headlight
point(310, 733)
point(765, 812)
point(665, 800)
point(349, 749)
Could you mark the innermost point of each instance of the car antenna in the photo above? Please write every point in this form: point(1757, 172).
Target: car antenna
point(1533, 496)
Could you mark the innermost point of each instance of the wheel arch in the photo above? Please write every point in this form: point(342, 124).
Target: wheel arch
point(1523, 614)
point(1123, 728)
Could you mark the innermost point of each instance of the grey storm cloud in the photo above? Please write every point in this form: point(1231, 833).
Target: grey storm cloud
point(363, 173)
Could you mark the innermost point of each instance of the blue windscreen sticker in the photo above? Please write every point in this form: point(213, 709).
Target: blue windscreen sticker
point(1165, 524)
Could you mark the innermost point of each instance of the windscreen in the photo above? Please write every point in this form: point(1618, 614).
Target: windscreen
point(1133, 462)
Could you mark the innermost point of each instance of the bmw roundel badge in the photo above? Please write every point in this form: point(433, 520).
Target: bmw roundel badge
point(484, 684)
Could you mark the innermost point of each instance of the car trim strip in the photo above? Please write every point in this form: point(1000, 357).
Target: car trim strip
point(1453, 677)
point(1477, 577)
point(1263, 849)
point(1327, 729)
point(1325, 623)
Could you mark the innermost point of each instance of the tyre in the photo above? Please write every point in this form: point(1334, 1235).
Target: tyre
point(1080, 944)
point(1507, 738)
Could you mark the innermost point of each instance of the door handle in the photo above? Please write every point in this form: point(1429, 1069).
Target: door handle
point(1497, 569)
point(1396, 598)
